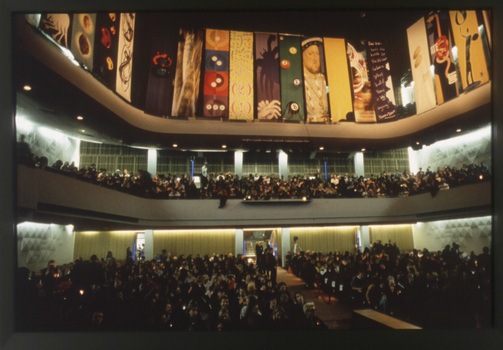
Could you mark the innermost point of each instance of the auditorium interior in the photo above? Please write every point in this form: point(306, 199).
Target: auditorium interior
point(67, 109)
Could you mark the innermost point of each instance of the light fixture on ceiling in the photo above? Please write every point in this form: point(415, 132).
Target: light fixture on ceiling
point(79, 117)
point(418, 143)
point(321, 148)
point(458, 130)
point(82, 130)
point(175, 145)
point(363, 149)
point(224, 146)
point(27, 88)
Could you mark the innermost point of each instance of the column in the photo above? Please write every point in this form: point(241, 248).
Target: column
point(364, 237)
point(359, 165)
point(152, 162)
point(283, 164)
point(238, 163)
point(239, 242)
point(285, 244)
point(149, 244)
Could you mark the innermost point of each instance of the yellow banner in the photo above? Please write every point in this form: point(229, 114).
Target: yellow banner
point(241, 76)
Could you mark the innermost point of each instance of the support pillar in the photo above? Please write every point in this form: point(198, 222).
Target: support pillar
point(238, 163)
point(239, 242)
point(359, 164)
point(285, 244)
point(364, 237)
point(152, 162)
point(149, 244)
point(283, 164)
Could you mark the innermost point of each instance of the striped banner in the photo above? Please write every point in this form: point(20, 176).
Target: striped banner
point(338, 80)
point(216, 74)
point(267, 76)
point(291, 77)
point(419, 54)
point(188, 73)
point(241, 76)
point(471, 57)
point(83, 33)
point(125, 55)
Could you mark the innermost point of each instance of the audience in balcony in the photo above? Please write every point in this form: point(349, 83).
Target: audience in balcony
point(264, 187)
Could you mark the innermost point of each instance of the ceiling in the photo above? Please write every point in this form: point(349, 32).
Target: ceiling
point(55, 102)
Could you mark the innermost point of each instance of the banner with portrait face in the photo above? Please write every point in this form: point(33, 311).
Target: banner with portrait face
point(382, 84)
point(267, 76)
point(216, 74)
point(338, 80)
point(471, 57)
point(439, 39)
point(419, 54)
point(105, 48)
point(162, 64)
point(125, 55)
point(241, 76)
point(58, 26)
point(315, 80)
point(82, 43)
point(188, 73)
point(291, 77)
point(363, 103)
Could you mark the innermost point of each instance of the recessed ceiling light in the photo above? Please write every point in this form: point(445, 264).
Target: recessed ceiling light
point(27, 88)
point(418, 143)
point(363, 150)
point(224, 146)
point(458, 130)
point(79, 117)
point(322, 148)
point(82, 130)
point(175, 145)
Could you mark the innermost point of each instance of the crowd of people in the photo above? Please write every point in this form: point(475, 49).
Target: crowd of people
point(229, 186)
point(447, 288)
point(180, 293)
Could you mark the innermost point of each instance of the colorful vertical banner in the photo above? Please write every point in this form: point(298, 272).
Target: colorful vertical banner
point(58, 26)
point(125, 55)
point(267, 76)
point(162, 64)
point(419, 54)
point(471, 57)
point(241, 76)
point(216, 74)
point(382, 84)
point(291, 77)
point(439, 39)
point(362, 89)
point(82, 43)
point(338, 78)
point(315, 81)
point(188, 73)
point(105, 48)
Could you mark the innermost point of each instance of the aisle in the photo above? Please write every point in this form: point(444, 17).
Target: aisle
point(336, 315)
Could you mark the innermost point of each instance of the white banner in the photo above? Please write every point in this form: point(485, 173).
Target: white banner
point(125, 55)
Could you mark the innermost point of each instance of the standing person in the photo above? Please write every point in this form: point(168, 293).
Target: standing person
point(270, 265)
point(129, 256)
point(204, 174)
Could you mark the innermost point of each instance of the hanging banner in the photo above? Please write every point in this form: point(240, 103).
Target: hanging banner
point(382, 84)
point(241, 76)
point(216, 74)
point(267, 76)
point(105, 48)
point(82, 43)
point(125, 55)
point(188, 73)
point(439, 39)
point(471, 57)
point(58, 26)
point(362, 90)
point(315, 82)
point(291, 77)
point(338, 78)
point(161, 75)
point(419, 55)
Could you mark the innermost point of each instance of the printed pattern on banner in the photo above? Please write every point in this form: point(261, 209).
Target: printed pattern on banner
point(362, 89)
point(340, 99)
point(471, 57)
point(188, 73)
point(315, 82)
point(105, 48)
point(216, 74)
point(125, 55)
point(82, 43)
point(439, 39)
point(267, 82)
point(241, 76)
point(419, 54)
point(291, 77)
point(58, 26)
point(159, 94)
point(382, 84)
